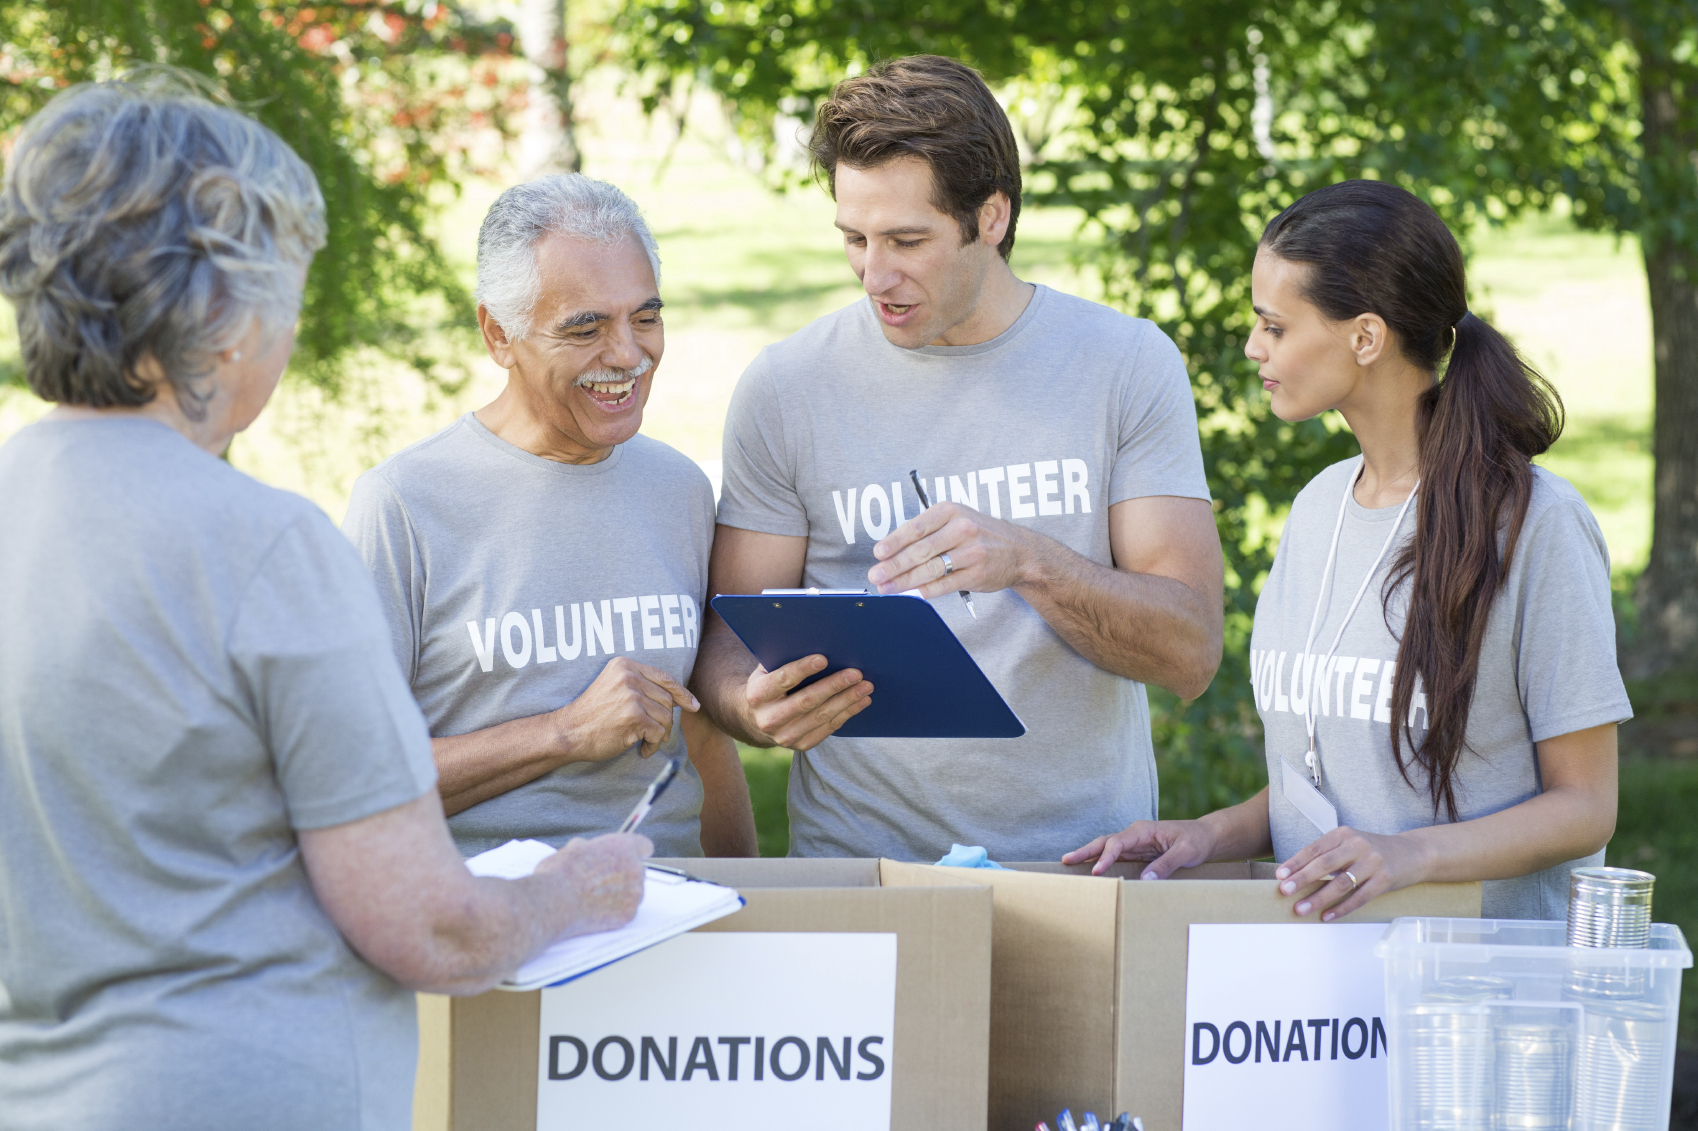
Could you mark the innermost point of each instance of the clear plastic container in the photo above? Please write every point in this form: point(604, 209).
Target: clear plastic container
point(1499, 1025)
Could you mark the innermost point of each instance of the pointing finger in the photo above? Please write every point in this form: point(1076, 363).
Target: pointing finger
point(664, 689)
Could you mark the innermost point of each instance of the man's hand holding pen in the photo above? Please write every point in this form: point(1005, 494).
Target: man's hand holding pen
point(985, 554)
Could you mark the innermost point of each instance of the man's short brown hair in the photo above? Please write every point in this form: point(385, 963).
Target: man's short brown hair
point(933, 108)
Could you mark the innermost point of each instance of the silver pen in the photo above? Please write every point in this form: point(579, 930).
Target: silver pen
point(652, 794)
point(927, 503)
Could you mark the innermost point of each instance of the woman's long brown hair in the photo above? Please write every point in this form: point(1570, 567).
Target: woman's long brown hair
point(1374, 248)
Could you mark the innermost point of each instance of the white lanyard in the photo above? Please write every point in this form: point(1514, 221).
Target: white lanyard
point(1313, 759)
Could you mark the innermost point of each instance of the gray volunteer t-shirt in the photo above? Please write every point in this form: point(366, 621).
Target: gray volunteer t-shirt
point(510, 580)
point(1547, 667)
point(194, 667)
point(1072, 409)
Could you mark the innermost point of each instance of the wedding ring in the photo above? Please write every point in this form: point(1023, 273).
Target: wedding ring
point(1354, 882)
point(948, 566)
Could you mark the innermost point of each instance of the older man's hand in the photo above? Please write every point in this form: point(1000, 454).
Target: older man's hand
point(626, 704)
point(604, 876)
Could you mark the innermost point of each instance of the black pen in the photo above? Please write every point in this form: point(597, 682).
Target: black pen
point(948, 566)
point(652, 794)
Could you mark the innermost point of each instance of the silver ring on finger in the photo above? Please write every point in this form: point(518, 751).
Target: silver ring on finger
point(1354, 882)
point(948, 566)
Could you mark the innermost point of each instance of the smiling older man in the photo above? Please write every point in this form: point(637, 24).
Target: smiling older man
point(543, 566)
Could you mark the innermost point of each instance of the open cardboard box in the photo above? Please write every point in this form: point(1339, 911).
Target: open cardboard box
point(1088, 975)
point(478, 1056)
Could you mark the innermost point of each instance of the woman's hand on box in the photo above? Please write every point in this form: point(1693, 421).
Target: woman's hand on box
point(1353, 867)
point(1168, 845)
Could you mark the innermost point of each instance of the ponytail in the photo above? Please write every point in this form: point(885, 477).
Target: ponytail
point(1478, 431)
point(1371, 246)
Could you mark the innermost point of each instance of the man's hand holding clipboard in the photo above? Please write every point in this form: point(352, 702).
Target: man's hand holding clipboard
point(930, 685)
point(801, 720)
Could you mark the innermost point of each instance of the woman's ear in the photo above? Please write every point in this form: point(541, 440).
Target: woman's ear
point(1370, 338)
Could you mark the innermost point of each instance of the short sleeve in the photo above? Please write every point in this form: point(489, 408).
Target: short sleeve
point(1565, 640)
point(377, 525)
point(1159, 452)
point(346, 738)
point(758, 490)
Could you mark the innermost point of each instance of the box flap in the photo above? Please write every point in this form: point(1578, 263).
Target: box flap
point(1133, 869)
point(778, 871)
point(1052, 979)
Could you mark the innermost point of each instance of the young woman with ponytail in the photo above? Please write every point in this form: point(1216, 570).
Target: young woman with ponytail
point(1433, 652)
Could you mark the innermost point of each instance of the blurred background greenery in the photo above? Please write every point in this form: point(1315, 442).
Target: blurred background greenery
point(1159, 137)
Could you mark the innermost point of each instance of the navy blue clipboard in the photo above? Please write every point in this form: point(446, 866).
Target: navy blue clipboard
point(925, 685)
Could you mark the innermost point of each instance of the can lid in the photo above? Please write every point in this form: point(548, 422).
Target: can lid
point(1610, 879)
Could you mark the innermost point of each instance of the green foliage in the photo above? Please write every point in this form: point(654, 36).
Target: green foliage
point(1655, 831)
point(1146, 118)
point(768, 772)
point(381, 100)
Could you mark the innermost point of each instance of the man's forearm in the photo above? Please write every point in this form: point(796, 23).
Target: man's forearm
point(486, 763)
point(722, 674)
point(1144, 627)
point(727, 820)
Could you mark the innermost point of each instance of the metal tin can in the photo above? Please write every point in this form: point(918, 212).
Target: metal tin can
point(1609, 907)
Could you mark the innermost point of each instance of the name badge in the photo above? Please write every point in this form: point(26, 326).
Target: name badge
point(1310, 802)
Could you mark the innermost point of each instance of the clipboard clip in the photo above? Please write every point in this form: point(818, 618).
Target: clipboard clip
point(679, 872)
point(813, 592)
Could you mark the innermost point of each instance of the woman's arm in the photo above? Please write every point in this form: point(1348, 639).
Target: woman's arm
point(1573, 816)
point(1237, 833)
point(728, 819)
point(398, 891)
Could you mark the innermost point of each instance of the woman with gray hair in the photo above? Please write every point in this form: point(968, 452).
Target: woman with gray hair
point(222, 853)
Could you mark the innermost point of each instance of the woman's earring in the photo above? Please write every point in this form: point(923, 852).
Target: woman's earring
point(235, 355)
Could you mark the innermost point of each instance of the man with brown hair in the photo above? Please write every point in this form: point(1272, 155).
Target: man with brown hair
point(1060, 442)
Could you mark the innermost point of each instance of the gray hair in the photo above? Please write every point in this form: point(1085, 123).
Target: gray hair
point(568, 204)
point(139, 219)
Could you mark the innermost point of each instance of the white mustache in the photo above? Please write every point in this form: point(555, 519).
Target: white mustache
point(614, 376)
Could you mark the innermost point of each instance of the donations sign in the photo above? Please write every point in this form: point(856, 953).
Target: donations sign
point(1285, 1028)
point(722, 1030)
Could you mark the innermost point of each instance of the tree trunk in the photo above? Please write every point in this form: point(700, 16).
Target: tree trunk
point(1668, 590)
point(546, 142)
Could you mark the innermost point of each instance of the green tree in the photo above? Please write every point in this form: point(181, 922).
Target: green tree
point(1180, 127)
point(382, 100)
point(1596, 100)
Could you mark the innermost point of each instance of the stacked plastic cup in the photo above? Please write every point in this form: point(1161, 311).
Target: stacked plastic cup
point(1532, 1070)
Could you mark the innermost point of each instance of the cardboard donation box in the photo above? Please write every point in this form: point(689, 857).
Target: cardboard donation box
point(1089, 994)
point(837, 998)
